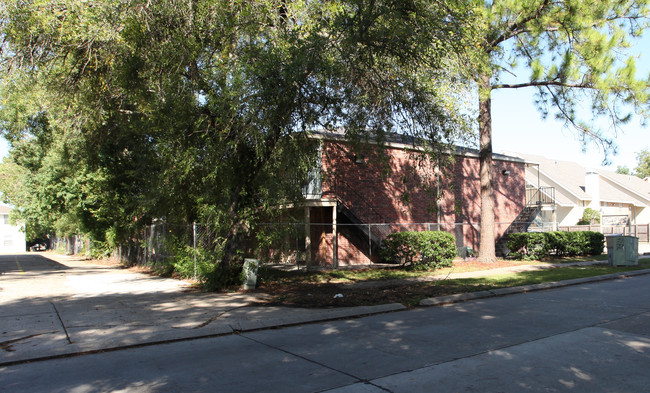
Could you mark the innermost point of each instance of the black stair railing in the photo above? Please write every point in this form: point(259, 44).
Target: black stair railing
point(361, 214)
point(540, 196)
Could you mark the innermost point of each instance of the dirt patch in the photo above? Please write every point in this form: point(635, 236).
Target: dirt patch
point(324, 295)
point(313, 295)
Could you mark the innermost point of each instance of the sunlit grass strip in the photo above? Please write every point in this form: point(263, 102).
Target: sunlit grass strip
point(543, 275)
point(352, 275)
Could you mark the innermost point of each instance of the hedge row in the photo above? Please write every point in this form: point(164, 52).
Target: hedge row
point(539, 245)
point(420, 250)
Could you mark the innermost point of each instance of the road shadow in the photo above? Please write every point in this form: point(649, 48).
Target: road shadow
point(28, 263)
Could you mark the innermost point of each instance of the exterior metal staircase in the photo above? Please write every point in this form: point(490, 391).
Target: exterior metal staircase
point(520, 224)
point(366, 230)
point(536, 197)
point(367, 234)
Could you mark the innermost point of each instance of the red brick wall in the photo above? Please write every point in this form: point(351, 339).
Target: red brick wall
point(461, 202)
point(380, 191)
point(400, 188)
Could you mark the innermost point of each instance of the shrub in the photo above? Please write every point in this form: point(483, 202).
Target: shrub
point(527, 246)
point(589, 217)
point(596, 242)
point(188, 262)
point(211, 273)
point(556, 242)
point(223, 276)
point(533, 245)
point(420, 250)
point(397, 248)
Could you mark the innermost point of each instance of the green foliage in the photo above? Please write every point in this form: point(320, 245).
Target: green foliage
point(101, 250)
point(119, 113)
point(596, 243)
point(622, 170)
point(420, 250)
point(589, 217)
point(198, 263)
point(575, 51)
point(541, 245)
point(576, 55)
point(642, 169)
point(205, 265)
point(224, 276)
point(527, 246)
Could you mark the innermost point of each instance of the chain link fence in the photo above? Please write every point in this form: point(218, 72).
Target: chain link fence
point(344, 244)
point(292, 244)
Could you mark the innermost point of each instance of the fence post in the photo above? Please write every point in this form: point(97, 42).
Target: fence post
point(369, 243)
point(194, 245)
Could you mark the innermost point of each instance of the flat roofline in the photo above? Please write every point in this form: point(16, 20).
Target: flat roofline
point(405, 142)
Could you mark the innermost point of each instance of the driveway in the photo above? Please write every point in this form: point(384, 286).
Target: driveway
point(54, 305)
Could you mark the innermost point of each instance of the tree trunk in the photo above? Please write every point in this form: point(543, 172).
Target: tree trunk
point(486, 251)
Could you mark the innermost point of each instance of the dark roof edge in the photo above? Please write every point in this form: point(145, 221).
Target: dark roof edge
point(405, 142)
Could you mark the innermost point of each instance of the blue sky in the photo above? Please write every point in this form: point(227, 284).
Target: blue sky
point(517, 127)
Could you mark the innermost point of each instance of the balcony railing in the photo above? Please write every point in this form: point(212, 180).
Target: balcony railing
point(313, 188)
point(540, 196)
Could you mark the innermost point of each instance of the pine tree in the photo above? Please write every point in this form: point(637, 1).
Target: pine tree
point(573, 52)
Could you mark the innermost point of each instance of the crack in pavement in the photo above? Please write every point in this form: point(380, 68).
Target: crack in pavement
point(8, 347)
point(359, 379)
point(67, 336)
point(215, 317)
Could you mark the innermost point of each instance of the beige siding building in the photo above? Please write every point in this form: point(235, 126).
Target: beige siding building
point(622, 200)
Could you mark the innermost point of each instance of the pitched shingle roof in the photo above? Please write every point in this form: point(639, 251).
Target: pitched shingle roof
point(614, 187)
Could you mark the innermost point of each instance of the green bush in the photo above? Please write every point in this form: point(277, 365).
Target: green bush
point(420, 250)
point(211, 274)
point(596, 242)
point(189, 262)
point(205, 265)
point(589, 217)
point(556, 242)
point(223, 276)
point(535, 245)
point(527, 245)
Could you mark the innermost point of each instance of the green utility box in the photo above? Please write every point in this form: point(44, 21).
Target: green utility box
point(622, 250)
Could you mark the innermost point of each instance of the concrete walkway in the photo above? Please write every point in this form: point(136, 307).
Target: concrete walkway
point(59, 306)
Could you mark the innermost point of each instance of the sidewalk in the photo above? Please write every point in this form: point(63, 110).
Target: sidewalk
point(78, 307)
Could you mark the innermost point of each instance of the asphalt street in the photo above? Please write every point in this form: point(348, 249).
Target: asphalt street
point(591, 337)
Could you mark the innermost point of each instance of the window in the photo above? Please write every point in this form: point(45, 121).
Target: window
point(5, 219)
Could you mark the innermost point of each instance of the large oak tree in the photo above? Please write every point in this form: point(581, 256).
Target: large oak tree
point(198, 110)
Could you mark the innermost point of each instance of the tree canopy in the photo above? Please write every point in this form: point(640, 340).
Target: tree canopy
point(642, 169)
point(120, 112)
point(574, 53)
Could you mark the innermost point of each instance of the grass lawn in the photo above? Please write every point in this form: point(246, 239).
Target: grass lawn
point(318, 289)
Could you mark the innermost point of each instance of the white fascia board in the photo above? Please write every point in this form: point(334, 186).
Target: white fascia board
point(626, 202)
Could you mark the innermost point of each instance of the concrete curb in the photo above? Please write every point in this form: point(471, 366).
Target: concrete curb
point(463, 297)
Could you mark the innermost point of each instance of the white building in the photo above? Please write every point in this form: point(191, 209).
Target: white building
point(622, 200)
point(12, 237)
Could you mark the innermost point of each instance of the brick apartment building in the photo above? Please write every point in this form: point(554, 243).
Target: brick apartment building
point(358, 197)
